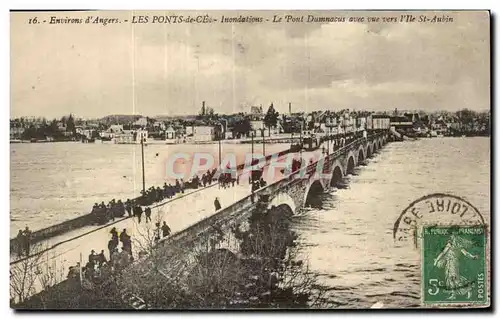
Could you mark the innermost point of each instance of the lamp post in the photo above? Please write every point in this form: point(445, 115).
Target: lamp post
point(143, 176)
point(251, 165)
point(300, 139)
point(220, 153)
point(344, 133)
point(252, 144)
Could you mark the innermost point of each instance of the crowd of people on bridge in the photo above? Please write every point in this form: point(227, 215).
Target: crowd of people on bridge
point(23, 242)
point(158, 194)
point(227, 180)
point(258, 184)
point(98, 268)
point(103, 213)
point(207, 177)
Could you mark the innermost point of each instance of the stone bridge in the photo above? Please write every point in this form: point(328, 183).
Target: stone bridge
point(288, 194)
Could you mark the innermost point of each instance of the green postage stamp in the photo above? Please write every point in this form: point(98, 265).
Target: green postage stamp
point(454, 265)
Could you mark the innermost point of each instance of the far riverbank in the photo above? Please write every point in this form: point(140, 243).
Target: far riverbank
point(275, 139)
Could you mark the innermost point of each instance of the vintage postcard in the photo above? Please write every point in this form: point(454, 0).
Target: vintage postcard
point(250, 160)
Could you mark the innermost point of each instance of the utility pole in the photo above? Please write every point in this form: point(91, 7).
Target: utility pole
point(223, 130)
point(80, 270)
point(300, 133)
point(143, 176)
point(252, 144)
point(328, 141)
point(300, 140)
point(251, 165)
point(220, 156)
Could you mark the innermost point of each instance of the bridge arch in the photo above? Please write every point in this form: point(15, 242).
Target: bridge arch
point(337, 176)
point(283, 199)
point(369, 150)
point(360, 155)
point(281, 211)
point(312, 190)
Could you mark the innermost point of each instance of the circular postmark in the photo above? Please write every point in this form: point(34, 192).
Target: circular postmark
point(437, 209)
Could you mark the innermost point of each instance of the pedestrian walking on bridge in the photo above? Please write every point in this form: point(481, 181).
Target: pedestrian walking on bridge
point(120, 208)
point(165, 229)
point(27, 240)
point(182, 185)
point(262, 183)
point(126, 242)
point(20, 243)
point(128, 207)
point(114, 233)
point(101, 259)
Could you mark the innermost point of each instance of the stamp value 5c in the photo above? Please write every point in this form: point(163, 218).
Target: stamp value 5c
point(454, 265)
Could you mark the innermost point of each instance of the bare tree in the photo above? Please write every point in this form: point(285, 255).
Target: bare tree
point(24, 274)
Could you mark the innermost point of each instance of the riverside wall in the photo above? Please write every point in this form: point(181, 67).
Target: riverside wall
point(181, 246)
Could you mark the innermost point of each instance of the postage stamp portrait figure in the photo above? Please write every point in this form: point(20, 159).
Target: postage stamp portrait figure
point(454, 265)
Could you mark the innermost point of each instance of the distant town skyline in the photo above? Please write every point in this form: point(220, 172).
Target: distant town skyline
point(169, 69)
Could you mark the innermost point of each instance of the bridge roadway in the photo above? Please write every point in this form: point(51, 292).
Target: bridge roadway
point(63, 251)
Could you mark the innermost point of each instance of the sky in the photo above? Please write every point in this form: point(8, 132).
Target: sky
point(169, 69)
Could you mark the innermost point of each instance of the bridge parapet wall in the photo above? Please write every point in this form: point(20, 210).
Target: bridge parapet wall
point(180, 247)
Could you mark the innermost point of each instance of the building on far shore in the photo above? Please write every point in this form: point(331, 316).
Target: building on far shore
point(200, 133)
point(260, 128)
point(257, 125)
point(16, 132)
point(256, 113)
point(170, 135)
point(203, 133)
point(401, 122)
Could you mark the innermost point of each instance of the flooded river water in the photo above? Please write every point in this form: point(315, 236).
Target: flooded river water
point(54, 182)
point(348, 242)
